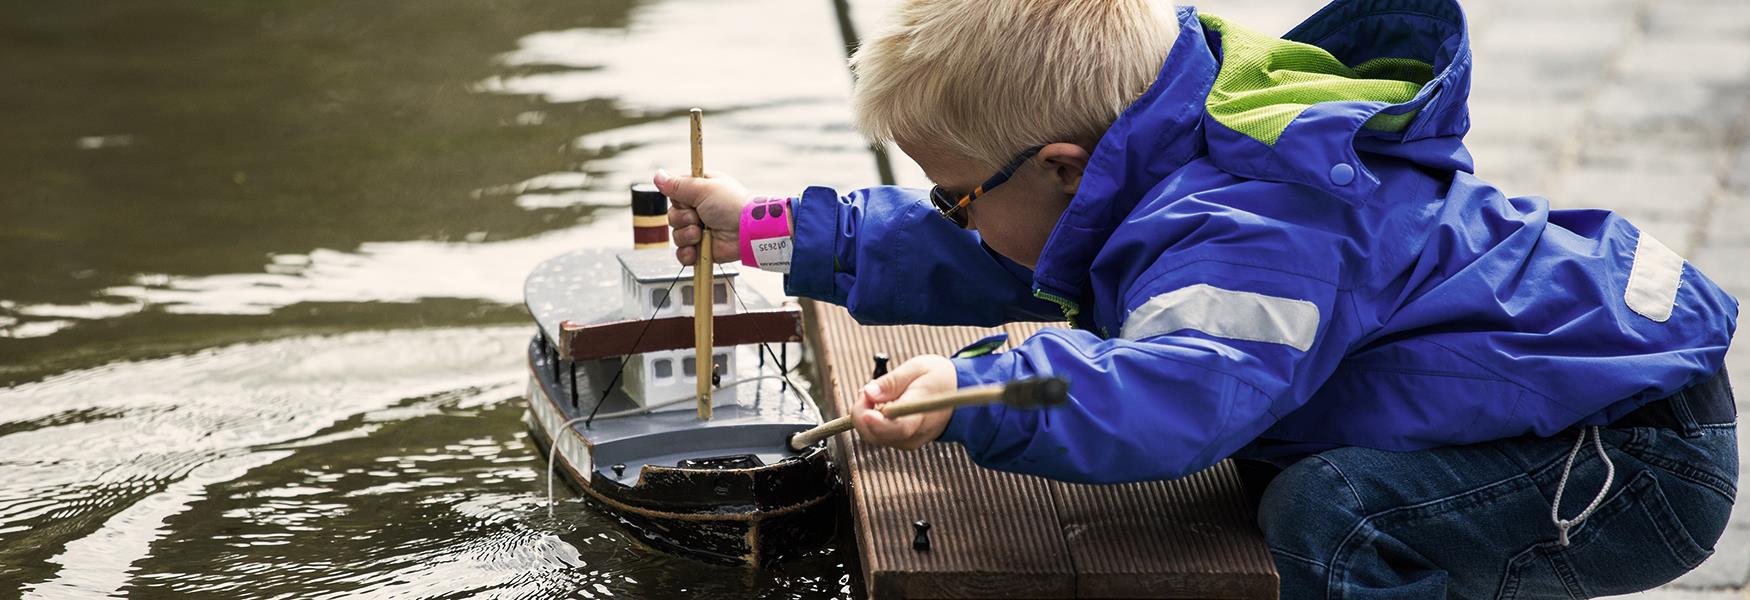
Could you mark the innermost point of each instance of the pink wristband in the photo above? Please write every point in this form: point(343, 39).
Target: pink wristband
point(765, 234)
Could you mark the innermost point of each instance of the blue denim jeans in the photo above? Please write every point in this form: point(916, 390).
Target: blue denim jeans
point(1474, 521)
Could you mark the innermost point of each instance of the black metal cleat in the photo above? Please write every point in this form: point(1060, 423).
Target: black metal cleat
point(921, 542)
point(880, 365)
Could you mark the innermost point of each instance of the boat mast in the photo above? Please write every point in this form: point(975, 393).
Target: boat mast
point(702, 291)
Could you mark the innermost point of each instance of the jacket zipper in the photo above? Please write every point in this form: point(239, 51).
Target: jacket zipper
point(1069, 307)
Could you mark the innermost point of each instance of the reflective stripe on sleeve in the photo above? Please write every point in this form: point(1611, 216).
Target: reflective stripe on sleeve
point(1653, 280)
point(1227, 314)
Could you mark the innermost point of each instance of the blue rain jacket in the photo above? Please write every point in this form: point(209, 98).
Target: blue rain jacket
point(1251, 270)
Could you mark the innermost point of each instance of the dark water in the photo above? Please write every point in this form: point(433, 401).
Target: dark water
point(260, 268)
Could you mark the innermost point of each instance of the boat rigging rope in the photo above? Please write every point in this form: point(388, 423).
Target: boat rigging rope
point(667, 297)
point(671, 402)
point(553, 443)
point(783, 369)
point(783, 375)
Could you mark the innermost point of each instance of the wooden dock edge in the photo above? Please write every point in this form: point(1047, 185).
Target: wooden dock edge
point(1002, 535)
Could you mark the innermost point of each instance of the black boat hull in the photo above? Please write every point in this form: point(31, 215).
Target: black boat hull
point(727, 514)
point(751, 538)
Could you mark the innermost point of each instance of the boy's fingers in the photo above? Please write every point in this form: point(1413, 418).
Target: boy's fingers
point(879, 429)
point(870, 426)
point(682, 217)
point(664, 182)
point(686, 192)
point(913, 379)
point(869, 422)
point(911, 393)
point(888, 387)
point(725, 249)
point(687, 236)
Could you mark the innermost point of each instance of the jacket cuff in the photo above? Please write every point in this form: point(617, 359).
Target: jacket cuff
point(975, 426)
point(814, 265)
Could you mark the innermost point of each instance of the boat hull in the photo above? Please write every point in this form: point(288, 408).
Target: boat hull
point(743, 498)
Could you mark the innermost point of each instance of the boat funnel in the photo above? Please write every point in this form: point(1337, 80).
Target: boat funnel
point(649, 217)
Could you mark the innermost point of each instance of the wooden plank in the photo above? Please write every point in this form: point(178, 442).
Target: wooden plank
point(1195, 537)
point(993, 535)
point(1001, 535)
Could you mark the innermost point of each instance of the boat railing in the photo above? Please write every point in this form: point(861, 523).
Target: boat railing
point(581, 341)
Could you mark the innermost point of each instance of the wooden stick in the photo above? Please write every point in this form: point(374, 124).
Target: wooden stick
point(1028, 393)
point(702, 292)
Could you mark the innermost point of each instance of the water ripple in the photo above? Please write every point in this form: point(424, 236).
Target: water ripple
point(117, 451)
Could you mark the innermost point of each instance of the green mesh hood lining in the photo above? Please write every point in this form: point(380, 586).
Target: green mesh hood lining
point(1265, 82)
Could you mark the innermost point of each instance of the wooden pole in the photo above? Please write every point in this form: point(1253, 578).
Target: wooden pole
point(702, 292)
point(1027, 393)
point(893, 410)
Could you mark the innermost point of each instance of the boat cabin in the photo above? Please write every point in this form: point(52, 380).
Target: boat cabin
point(653, 288)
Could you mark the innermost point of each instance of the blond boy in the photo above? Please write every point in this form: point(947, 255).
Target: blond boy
point(1273, 250)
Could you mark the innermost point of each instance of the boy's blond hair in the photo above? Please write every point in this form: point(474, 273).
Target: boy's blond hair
point(986, 79)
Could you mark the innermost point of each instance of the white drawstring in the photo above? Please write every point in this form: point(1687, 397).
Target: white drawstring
point(1563, 525)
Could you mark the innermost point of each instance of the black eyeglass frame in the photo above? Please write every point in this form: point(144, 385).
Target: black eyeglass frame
point(955, 210)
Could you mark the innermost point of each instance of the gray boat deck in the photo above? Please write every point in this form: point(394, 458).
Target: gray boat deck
point(1001, 535)
point(586, 286)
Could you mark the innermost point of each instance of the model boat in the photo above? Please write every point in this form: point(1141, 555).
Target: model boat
point(611, 398)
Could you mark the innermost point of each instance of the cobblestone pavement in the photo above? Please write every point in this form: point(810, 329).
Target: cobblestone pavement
point(1638, 106)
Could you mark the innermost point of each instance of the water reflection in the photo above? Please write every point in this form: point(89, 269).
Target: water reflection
point(424, 182)
point(366, 465)
point(680, 53)
point(775, 147)
point(138, 445)
point(260, 280)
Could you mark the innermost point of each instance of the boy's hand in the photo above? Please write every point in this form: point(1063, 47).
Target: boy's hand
point(715, 198)
point(921, 376)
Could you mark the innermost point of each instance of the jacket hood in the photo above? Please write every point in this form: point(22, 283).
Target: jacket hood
point(1384, 77)
point(1381, 76)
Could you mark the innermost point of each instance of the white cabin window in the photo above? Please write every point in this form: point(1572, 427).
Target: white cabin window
point(659, 299)
point(689, 367)
point(662, 368)
point(720, 295)
point(687, 295)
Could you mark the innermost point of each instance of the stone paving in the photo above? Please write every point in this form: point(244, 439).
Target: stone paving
point(1638, 106)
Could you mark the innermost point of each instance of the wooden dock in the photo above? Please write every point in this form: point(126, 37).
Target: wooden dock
point(1001, 535)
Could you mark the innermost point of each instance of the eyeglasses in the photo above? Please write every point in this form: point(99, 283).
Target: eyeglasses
point(955, 210)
